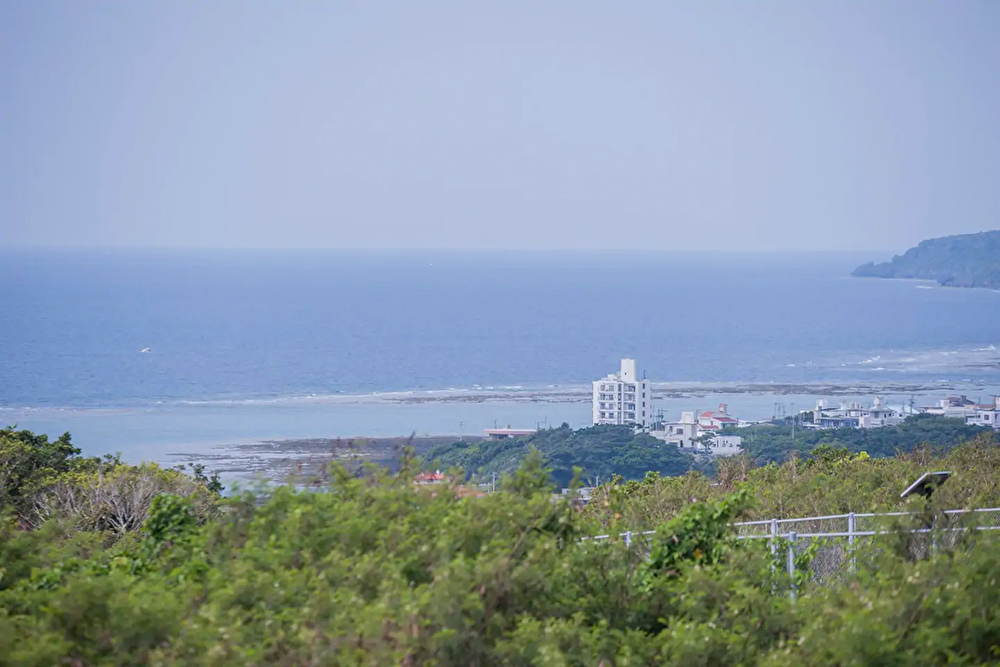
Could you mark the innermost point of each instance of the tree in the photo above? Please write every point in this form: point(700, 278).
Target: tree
point(28, 462)
point(115, 500)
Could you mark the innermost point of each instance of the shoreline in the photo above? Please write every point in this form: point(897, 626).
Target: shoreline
point(574, 393)
point(243, 440)
point(282, 459)
point(932, 281)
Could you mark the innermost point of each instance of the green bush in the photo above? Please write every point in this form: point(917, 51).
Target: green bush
point(373, 569)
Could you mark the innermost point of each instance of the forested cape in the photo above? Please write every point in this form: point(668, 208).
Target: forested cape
point(965, 260)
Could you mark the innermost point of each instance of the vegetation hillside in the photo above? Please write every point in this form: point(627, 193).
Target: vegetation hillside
point(375, 570)
point(770, 442)
point(966, 260)
point(829, 480)
point(600, 452)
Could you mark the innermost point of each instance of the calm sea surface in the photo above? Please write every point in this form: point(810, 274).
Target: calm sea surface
point(246, 345)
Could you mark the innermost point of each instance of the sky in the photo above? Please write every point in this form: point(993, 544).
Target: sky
point(684, 126)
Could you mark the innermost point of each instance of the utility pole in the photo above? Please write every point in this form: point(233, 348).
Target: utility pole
point(794, 419)
point(493, 484)
point(461, 431)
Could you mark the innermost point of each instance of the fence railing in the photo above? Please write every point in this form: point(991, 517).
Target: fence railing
point(840, 534)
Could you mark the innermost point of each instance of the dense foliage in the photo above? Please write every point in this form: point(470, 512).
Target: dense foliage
point(599, 452)
point(966, 260)
point(28, 462)
point(40, 479)
point(830, 480)
point(769, 442)
point(374, 570)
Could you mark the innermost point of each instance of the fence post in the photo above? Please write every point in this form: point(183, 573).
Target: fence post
point(628, 539)
point(791, 563)
point(774, 548)
point(851, 527)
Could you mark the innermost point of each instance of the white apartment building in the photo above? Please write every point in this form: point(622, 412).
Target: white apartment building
point(623, 397)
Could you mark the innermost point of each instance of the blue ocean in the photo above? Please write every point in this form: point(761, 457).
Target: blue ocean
point(148, 352)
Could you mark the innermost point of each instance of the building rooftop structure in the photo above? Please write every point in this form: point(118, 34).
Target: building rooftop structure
point(505, 433)
point(436, 477)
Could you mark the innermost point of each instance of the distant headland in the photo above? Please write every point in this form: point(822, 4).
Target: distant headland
point(965, 260)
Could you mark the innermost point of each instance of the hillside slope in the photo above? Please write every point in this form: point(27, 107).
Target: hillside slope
point(966, 260)
point(600, 451)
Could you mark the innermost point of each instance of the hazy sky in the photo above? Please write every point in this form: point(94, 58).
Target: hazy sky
point(546, 124)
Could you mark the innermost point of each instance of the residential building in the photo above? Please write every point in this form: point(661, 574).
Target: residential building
point(855, 415)
point(953, 406)
point(583, 494)
point(623, 397)
point(986, 415)
point(689, 431)
point(683, 433)
point(717, 419)
point(436, 477)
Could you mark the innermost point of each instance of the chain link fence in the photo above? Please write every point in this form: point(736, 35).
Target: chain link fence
point(842, 539)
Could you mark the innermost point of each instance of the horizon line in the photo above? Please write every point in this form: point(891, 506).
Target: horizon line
point(447, 249)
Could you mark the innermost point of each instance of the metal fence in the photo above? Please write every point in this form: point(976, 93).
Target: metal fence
point(839, 536)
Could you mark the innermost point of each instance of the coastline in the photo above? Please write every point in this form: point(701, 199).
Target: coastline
point(929, 281)
point(244, 440)
point(568, 393)
point(305, 458)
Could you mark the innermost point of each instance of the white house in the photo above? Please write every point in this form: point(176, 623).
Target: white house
point(953, 406)
point(686, 432)
point(623, 397)
point(855, 415)
point(682, 433)
point(880, 415)
point(986, 415)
